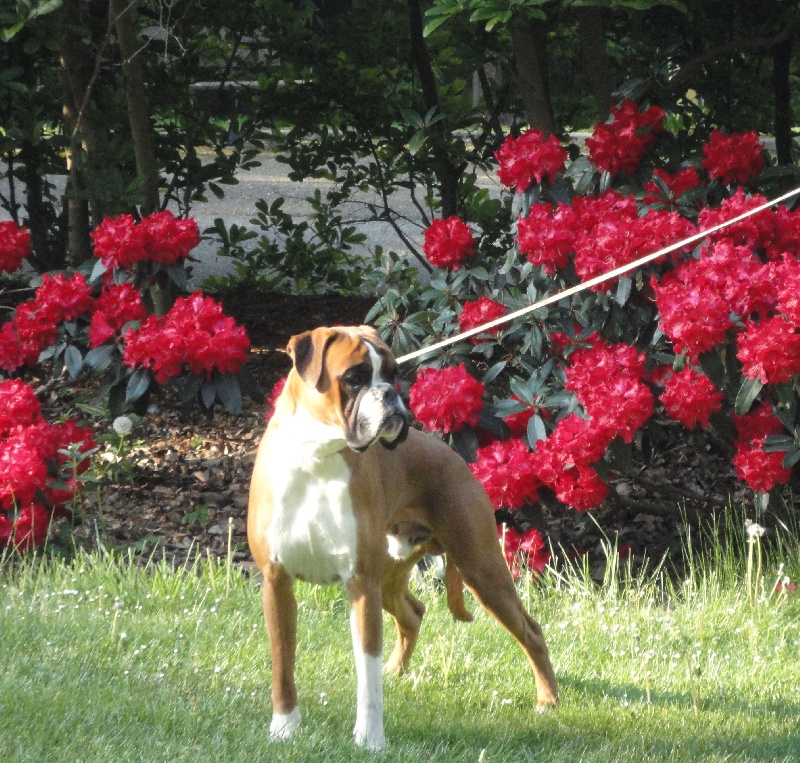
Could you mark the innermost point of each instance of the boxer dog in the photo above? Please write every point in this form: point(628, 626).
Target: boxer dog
point(344, 491)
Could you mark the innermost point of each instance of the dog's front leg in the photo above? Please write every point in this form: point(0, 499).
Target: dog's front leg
point(366, 624)
point(280, 615)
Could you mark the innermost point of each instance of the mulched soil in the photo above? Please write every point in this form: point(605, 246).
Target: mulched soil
point(184, 489)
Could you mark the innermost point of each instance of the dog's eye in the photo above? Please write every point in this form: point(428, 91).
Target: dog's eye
point(357, 376)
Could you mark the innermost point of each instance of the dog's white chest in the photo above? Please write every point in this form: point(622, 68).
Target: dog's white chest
point(312, 534)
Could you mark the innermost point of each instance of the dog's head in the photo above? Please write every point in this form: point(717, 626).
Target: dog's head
point(346, 378)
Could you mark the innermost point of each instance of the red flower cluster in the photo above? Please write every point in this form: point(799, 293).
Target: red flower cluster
point(607, 381)
point(117, 305)
point(757, 231)
point(15, 246)
point(525, 548)
point(35, 323)
point(618, 146)
point(563, 462)
point(528, 158)
point(690, 397)
point(448, 242)
point(734, 158)
point(677, 184)
point(195, 333)
point(604, 232)
point(760, 469)
point(508, 474)
point(547, 236)
point(697, 299)
point(30, 462)
point(478, 312)
point(769, 350)
point(447, 399)
point(161, 237)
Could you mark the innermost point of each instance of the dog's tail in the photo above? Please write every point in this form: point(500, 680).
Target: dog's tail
point(454, 585)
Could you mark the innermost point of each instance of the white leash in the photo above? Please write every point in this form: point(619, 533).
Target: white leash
point(593, 281)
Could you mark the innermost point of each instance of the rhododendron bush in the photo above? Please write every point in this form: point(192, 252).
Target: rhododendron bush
point(99, 320)
point(40, 466)
point(706, 338)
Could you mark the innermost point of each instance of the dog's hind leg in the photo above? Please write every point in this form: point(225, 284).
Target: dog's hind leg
point(406, 609)
point(454, 585)
point(492, 585)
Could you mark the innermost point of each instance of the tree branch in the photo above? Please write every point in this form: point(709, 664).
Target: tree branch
point(729, 48)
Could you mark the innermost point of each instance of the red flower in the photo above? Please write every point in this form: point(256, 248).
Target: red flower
point(612, 244)
point(478, 312)
point(117, 305)
point(19, 406)
point(446, 400)
point(581, 488)
point(606, 380)
point(169, 239)
point(121, 243)
point(785, 278)
point(786, 240)
point(735, 158)
point(22, 469)
point(574, 441)
point(35, 323)
point(690, 397)
point(546, 237)
point(527, 548)
point(677, 184)
point(757, 231)
point(618, 146)
point(507, 472)
point(757, 424)
point(528, 158)
point(694, 317)
point(448, 242)
point(15, 246)
point(31, 527)
point(759, 469)
point(195, 333)
point(769, 350)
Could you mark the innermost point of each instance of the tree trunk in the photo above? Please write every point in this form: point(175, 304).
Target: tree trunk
point(446, 173)
point(529, 43)
point(781, 64)
point(74, 87)
point(591, 28)
point(122, 15)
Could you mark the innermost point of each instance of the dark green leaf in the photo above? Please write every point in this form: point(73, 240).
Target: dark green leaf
point(748, 392)
point(100, 358)
point(73, 361)
point(208, 393)
point(230, 393)
point(138, 384)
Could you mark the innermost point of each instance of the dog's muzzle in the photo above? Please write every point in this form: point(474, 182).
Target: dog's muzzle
point(381, 415)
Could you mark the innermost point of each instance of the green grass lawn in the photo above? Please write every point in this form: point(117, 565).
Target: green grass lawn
point(103, 661)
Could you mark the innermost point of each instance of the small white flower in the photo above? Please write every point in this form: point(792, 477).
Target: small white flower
point(122, 425)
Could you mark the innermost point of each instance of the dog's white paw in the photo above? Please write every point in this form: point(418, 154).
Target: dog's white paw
point(283, 726)
point(370, 735)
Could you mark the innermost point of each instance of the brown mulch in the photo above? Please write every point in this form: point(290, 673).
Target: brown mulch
point(184, 489)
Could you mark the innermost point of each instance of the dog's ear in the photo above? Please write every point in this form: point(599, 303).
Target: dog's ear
point(307, 352)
